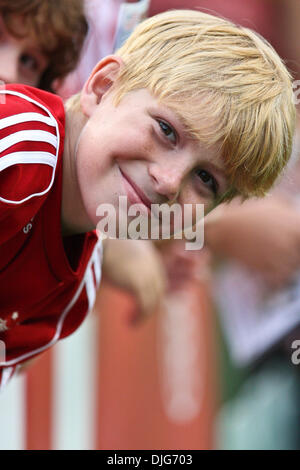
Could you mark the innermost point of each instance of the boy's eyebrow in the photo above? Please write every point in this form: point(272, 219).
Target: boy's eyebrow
point(221, 172)
point(216, 168)
point(189, 128)
point(185, 123)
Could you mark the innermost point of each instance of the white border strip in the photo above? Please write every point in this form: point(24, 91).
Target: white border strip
point(12, 415)
point(74, 389)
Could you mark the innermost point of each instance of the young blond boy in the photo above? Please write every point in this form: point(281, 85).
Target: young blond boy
point(191, 110)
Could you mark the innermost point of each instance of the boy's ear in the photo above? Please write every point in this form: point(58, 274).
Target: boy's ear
point(99, 82)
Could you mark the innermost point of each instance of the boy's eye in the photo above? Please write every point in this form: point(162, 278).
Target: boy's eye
point(208, 180)
point(29, 62)
point(168, 131)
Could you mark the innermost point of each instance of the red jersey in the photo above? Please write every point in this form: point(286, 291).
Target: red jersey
point(47, 283)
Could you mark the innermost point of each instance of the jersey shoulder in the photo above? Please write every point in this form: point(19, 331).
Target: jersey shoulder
point(31, 142)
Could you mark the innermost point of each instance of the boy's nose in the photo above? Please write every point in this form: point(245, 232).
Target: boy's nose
point(167, 180)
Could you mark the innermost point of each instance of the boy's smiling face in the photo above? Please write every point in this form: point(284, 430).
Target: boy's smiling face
point(21, 60)
point(141, 149)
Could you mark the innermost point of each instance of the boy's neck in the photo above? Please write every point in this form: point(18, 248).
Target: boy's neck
point(73, 216)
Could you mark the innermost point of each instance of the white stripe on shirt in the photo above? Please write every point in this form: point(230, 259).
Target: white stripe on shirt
point(25, 117)
point(27, 136)
point(16, 158)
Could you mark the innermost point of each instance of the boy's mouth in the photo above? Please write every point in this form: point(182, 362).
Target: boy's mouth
point(134, 192)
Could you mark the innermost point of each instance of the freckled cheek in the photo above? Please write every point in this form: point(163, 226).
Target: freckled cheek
point(93, 153)
point(85, 157)
point(101, 148)
point(132, 147)
point(188, 195)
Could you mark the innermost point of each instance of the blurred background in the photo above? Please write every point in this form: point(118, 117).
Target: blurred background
point(213, 368)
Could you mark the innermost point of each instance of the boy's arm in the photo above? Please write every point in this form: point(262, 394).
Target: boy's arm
point(262, 234)
point(136, 265)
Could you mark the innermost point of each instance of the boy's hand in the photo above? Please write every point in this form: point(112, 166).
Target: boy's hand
point(264, 235)
point(136, 266)
point(183, 266)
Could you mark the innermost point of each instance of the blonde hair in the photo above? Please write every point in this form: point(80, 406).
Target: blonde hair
point(225, 76)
